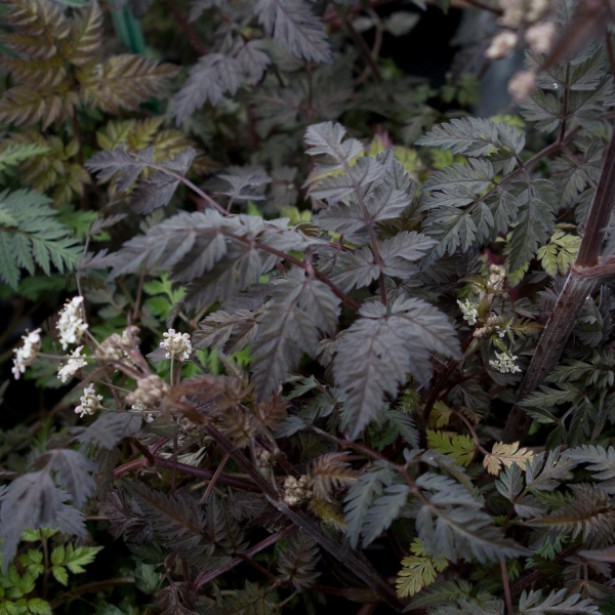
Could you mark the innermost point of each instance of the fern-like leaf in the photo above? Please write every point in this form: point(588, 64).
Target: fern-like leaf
point(505, 455)
point(383, 511)
point(124, 82)
point(83, 44)
point(301, 308)
point(458, 446)
point(418, 570)
point(30, 236)
point(535, 221)
point(601, 463)
point(298, 560)
point(361, 496)
point(475, 137)
point(35, 500)
point(453, 523)
point(586, 514)
point(176, 519)
point(378, 350)
point(294, 28)
point(557, 603)
point(14, 154)
point(214, 75)
point(330, 472)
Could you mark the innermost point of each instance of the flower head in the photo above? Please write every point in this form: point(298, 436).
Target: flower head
point(26, 353)
point(177, 345)
point(89, 402)
point(505, 363)
point(74, 363)
point(71, 325)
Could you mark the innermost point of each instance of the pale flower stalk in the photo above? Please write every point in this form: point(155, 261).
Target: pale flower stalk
point(26, 353)
point(71, 325)
point(89, 402)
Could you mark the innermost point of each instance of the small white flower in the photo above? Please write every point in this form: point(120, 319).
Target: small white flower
point(26, 353)
point(469, 311)
point(540, 36)
point(71, 325)
point(74, 363)
point(501, 45)
point(505, 363)
point(89, 402)
point(177, 345)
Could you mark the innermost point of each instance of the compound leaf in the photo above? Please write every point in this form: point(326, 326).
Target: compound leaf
point(293, 27)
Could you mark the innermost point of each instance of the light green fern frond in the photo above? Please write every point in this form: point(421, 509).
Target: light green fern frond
point(30, 236)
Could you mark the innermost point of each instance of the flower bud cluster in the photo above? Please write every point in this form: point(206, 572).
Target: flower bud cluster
point(117, 347)
point(297, 490)
point(149, 392)
point(26, 353)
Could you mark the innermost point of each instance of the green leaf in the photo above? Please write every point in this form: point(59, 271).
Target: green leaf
point(14, 154)
point(460, 447)
point(33, 237)
point(38, 606)
point(76, 558)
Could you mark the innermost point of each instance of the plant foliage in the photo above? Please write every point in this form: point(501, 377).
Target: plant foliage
point(322, 324)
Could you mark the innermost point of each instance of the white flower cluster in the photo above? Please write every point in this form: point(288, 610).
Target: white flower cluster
point(469, 311)
point(71, 325)
point(74, 363)
point(89, 402)
point(505, 363)
point(177, 345)
point(25, 354)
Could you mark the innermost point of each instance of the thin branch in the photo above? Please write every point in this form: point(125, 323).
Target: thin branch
point(506, 583)
point(364, 50)
point(206, 577)
point(183, 23)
